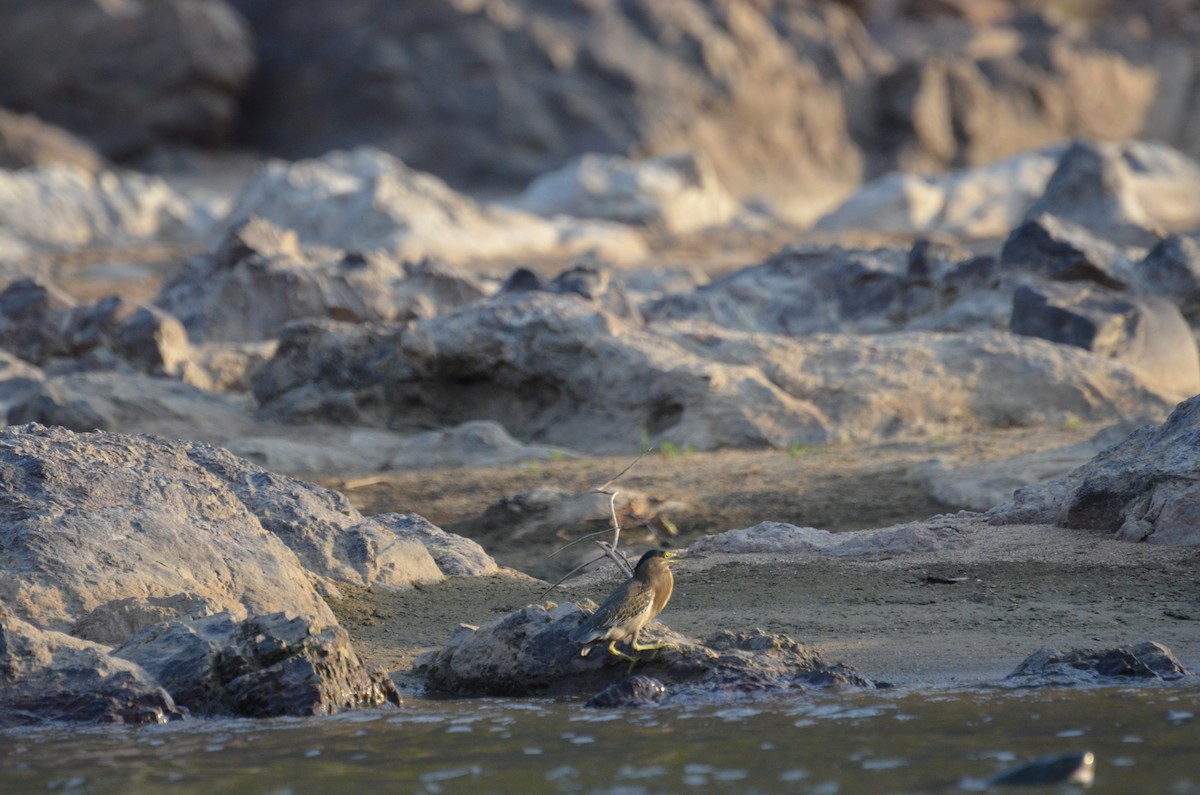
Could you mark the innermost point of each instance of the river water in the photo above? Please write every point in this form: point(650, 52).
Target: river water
point(1146, 740)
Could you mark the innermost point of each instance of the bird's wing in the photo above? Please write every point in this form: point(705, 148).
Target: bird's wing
point(632, 599)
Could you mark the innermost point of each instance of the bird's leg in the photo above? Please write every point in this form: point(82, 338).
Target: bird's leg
point(614, 651)
point(653, 646)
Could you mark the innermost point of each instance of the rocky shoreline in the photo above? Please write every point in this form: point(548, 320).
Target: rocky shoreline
point(849, 235)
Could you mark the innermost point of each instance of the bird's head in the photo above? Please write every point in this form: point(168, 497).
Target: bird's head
point(658, 557)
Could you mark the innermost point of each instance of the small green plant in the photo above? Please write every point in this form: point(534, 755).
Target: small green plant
point(1073, 423)
point(672, 450)
point(557, 455)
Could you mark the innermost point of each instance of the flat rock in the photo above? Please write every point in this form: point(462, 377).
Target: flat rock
point(1143, 489)
point(529, 652)
point(89, 520)
point(1123, 664)
point(265, 666)
point(365, 200)
point(558, 370)
point(51, 676)
point(785, 539)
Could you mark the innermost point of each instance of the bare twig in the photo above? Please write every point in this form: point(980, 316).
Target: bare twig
point(617, 476)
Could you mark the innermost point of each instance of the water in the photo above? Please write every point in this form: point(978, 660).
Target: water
point(1145, 739)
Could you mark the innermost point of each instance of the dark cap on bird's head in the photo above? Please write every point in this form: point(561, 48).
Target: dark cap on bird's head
point(666, 555)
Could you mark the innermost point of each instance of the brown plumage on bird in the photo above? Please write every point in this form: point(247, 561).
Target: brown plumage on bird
point(629, 608)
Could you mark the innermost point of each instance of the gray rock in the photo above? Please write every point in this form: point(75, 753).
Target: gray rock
point(557, 370)
point(1143, 489)
point(784, 539)
point(126, 76)
point(365, 200)
point(64, 207)
point(530, 652)
point(633, 691)
point(260, 278)
point(1146, 333)
point(50, 676)
point(19, 381)
point(1056, 249)
point(674, 193)
point(454, 554)
point(1054, 668)
point(89, 519)
point(265, 666)
point(1172, 270)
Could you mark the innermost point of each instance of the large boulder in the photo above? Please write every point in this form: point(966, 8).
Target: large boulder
point(1124, 192)
point(366, 200)
point(674, 193)
point(266, 666)
point(259, 278)
point(1146, 333)
point(1143, 489)
point(105, 534)
point(505, 91)
point(530, 652)
point(51, 676)
point(557, 369)
point(127, 74)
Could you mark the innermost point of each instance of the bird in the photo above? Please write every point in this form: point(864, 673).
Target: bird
point(630, 607)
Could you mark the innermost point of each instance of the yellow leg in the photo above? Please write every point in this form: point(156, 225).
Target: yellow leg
point(652, 646)
point(614, 651)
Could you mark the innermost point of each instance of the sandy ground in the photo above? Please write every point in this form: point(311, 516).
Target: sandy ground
point(1013, 589)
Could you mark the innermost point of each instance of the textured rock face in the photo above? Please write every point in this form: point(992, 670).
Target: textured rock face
point(266, 666)
point(1054, 668)
point(506, 91)
point(1147, 333)
point(106, 534)
point(785, 539)
point(558, 370)
point(1143, 489)
point(529, 652)
point(49, 676)
point(126, 74)
point(260, 278)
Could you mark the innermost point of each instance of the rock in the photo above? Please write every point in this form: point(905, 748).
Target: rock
point(26, 142)
point(64, 207)
point(944, 108)
point(126, 75)
point(529, 652)
point(260, 278)
point(1143, 489)
point(454, 554)
point(1172, 270)
point(1146, 333)
point(983, 485)
point(1124, 192)
point(265, 666)
point(1055, 249)
point(1077, 768)
point(557, 370)
point(784, 539)
point(982, 202)
point(365, 200)
point(568, 514)
point(50, 676)
point(490, 93)
point(674, 193)
point(1053, 668)
point(584, 279)
point(88, 519)
point(633, 691)
point(19, 381)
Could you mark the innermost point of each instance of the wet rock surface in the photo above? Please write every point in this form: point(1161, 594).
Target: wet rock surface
point(269, 665)
point(1147, 661)
point(530, 652)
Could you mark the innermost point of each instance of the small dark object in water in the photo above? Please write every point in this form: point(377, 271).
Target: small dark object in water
point(1062, 769)
point(633, 691)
